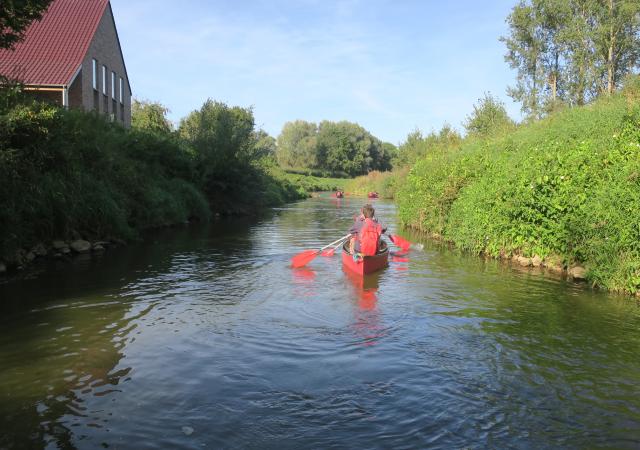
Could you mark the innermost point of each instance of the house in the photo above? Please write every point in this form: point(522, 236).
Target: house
point(72, 57)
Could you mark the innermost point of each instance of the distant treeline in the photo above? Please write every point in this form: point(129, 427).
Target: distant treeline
point(336, 147)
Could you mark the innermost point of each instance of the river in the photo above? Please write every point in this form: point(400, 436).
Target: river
point(204, 337)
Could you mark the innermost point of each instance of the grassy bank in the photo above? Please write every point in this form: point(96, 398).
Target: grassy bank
point(69, 174)
point(385, 184)
point(565, 189)
point(308, 184)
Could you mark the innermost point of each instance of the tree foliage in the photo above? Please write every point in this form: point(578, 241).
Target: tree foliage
point(265, 144)
point(297, 145)
point(220, 133)
point(230, 159)
point(223, 140)
point(489, 117)
point(347, 147)
point(570, 51)
point(16, 16)
point(150, 116)
point(417, 146)
point(333, 146)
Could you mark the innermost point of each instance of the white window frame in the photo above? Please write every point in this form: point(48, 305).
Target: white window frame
point(95, 73)
point(104, 79)
point(121, 90)
point(113, 85)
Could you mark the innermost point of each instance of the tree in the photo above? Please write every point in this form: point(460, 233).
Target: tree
point(616, 40)
point(579, 70)
point(417, 146)
point(569, 51)
point(524, 48)
point(297, 145)
point(265, 144)
point(223, 140)
point(16, 16)
point(150, 116)
point(389, 153)
point(489, 117)
point(347, 147)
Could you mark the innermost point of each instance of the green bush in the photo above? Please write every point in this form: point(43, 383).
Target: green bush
point(567, 187)
point(68, 172)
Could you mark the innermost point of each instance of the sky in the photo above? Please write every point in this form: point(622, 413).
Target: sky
point(392, 66)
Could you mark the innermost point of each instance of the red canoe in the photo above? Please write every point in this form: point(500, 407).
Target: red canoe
point(367, 264)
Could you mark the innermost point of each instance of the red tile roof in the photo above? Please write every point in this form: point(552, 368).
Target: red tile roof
point(55, 46)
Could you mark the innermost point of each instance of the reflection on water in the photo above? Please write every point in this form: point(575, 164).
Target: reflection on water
point(205, 337)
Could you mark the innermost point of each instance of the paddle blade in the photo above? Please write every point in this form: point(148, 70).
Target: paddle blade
point(400, 242)
point(302, 259)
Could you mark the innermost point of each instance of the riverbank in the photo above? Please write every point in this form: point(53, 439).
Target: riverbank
point(562, 192)
point(72, 176)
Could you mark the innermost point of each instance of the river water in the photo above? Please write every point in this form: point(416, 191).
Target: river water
point(204, 337)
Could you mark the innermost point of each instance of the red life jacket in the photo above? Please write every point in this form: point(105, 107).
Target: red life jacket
point(369, 236)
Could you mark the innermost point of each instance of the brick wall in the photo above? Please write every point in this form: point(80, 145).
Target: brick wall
point(106, 50)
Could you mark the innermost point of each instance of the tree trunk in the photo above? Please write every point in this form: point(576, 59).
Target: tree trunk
point(611, 55)
point(534, 90)
point(554, 85)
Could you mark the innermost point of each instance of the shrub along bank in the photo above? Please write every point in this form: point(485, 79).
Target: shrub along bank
point(69, 174)
point(563, 191)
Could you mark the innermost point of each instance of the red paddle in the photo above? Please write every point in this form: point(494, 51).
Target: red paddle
point(403, 243)
point(302, 259)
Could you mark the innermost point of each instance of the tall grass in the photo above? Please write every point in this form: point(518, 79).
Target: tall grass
point(385, 184)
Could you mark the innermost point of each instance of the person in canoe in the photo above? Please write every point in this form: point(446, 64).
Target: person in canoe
point(365, 233)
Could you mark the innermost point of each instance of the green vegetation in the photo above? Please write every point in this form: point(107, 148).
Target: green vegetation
point(489, 117)
point(69, 173)
point(150, 116)
point(16, 16)
point(566, 188)
point(334, 147)
point(309, 183)
point(418, 146)
point(568, 52)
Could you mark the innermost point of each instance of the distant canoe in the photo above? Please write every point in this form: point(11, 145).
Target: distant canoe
point(366, 264)
point(372, 195)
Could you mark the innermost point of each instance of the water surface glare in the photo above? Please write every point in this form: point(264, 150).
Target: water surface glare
point(204, 337)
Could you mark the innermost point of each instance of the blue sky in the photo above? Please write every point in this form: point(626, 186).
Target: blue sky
point(391, 66)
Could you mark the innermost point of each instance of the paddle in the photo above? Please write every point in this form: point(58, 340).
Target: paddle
point(403, 243)
point(303, 258)
point(331, 251)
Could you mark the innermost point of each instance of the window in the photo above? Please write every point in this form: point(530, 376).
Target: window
point(95, 74)
point(104, 80)
point(121, 90)
point(113, 85)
